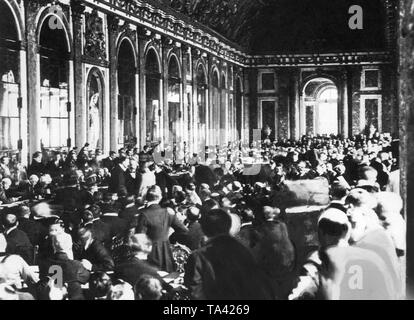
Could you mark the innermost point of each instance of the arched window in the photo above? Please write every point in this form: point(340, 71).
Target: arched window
point(95, 97)
point(54, 78)
point(214, 110)
point(327, 104)
point(9, 81)
point(174, 99)
point(127, 111)
point(201, 95)
point(152, 90)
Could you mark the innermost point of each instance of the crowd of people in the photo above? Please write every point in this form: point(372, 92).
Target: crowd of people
point(80, 225)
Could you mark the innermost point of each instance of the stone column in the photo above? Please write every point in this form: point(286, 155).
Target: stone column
point(79, 81)
point(294, 106)
point(343, 105)
point(24, 152)
point(33, 77)
point(187, 117)
point(142, 38)
point(113, 23)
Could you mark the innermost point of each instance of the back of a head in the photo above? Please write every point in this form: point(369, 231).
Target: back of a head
point(62, 242)
point(361, 198)
point(193, 214)
point(154, 194)
point(9, 220)
point(23, 211)
point(368, 173)
point(216, 222)
point(338, 191)
point(148, 288)
point(41, 210)
point(208, 205)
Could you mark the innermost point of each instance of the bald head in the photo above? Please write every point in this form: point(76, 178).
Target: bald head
point(9, 221)
point(62, 243)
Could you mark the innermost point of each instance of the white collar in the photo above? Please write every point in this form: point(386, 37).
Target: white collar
point(110, 214)
point(11, 229)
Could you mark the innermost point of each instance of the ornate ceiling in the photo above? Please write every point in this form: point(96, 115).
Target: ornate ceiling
point(290, 26)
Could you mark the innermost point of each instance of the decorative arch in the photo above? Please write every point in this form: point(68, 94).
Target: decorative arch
point(123, 38)
point(149, 50)
point(199, 65)
point(41, 19)
point(314, 76)
point(14, 8)
point(215, 73)
point(171, 56)
point(324, 87)
point(95, 131)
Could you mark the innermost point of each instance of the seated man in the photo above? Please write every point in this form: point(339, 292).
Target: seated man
point(137, 264)
point(73, 272)
point(17, 241)
point(16, 270)
point(93, 255)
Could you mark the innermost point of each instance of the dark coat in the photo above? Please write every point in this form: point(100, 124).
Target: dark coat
point(225, 270)
point(36, 168)
point(118, 179)
point(193, 239)
point(34, 230)
point(108, 163)
point(132, 184)
point(131, 270)
point(204, 174)
point(129, 213)
point(274, 251)
point(118, 226)
point(74, 273)
point(98, 255)
point(102, 232)
point(19, 243)
point(156, 222)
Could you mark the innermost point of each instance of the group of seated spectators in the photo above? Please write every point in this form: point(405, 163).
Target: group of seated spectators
point(79, 225)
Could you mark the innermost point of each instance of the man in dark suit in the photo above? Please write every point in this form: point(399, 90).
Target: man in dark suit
point(109, 162)
point(224, 269)
point(111, 217)
point(36, 167)
point(132, 178)
point(118, 175)
point(194, 238)
point(17, 241)
point(96, 255)
point(130, 210)
point(73, 272)
point(101, 231)
point(137, 265)
point(34, 230)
